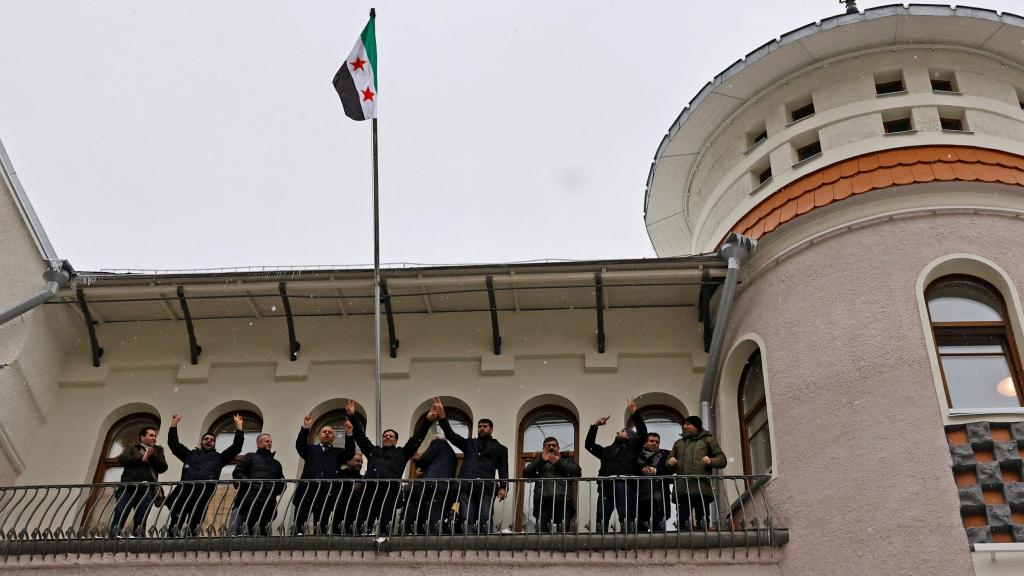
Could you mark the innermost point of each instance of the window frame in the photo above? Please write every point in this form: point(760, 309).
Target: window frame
point(1001, 328)
point(105, 463)
point(746, 416)
point(449, 411)
point(228, 418)
point(523, 457)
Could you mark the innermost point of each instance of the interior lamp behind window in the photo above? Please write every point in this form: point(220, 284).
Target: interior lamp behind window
point(1006, 388)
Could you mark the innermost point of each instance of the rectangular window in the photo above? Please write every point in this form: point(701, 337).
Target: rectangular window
point(801, 112)
point(756, 135)
point(955, 124)
point(765, 175)
point(760, 137)
point(942, 85)
point(809, 151)
point(897, 125)
point(891, 87)
point(943, 81)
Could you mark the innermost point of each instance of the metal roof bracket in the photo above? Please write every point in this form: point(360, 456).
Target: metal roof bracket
point(293, 344)
point(600, 311)
point(194, 349)
point(90, 326)
point(495, 331)
point(385, 299)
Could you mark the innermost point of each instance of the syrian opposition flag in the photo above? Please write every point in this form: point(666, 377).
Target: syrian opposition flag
point(356, 80)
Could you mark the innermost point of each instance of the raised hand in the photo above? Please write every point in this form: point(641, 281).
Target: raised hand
point(439, 407)
point(146, 453)
point(175, 419)
point(552, 456)
point(432, 415)
point(350, 407)
point(602, 420)
point(307, 420)
point(631, 405)
point(238, 421)
point(347, 426)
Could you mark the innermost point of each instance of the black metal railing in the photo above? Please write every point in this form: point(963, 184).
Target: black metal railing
point(724, 515)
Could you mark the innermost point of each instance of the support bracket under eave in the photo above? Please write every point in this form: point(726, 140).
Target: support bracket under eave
point(495, 330)
point(293, 344)
point(385, 299)
point(194, 349)
point(599, 291)
point(708, 287)
point(90, 326)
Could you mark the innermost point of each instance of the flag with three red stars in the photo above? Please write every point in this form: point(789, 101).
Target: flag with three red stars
point(356, 80)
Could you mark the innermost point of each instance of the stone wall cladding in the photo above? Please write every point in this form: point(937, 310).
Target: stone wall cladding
point(988, 469)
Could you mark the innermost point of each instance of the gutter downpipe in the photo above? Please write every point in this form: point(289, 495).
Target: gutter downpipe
point(60, 271)
point(736, 250)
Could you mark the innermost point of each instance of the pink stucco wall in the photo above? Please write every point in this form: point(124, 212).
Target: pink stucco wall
point(864, 482)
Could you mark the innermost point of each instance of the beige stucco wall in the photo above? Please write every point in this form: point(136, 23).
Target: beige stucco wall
point(30, 346)
point(863, 470)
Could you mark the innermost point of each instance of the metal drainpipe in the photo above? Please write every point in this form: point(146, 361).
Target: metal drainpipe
point(55, 280)
point(736, 250)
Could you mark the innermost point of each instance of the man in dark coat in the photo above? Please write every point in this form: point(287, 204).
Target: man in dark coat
point(484, 457)
point(257, 494)
point(322, 463)
point(654, 500)
point(141, 462)
point(349, 508)
point(618, 461)
point(553, 493)
point(433, 497)
point(385, 462)
point(188, 501)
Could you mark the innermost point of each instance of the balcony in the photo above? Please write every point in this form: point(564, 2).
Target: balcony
point(397, 518)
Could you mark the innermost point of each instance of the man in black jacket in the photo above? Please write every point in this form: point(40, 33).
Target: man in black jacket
point(141, 462)
point(553, 493)
point(188, 501)
point(483, 458)
point(322, 463)
point(349, 508)
point(432, 497)
point(619, 461)
point(385, 462)
point(653, 494)
point(258, 500)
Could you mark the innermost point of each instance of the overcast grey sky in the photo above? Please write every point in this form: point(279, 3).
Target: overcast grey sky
point(198, 134)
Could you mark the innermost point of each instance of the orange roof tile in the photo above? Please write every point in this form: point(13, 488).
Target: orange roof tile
point(902, 175)
point(896, 167)
point(842, 189)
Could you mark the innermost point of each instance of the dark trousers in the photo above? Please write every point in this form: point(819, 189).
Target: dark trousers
point(551, 511)
point(654, 504)
point(476, 502)
point(312, 498)
point(619, 495)
point(138, 497)
point(255, 513)
point(699, 505)
point(382, 498)
point(350, 509)
point(188, 503)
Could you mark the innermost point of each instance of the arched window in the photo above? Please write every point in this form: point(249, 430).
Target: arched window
point(461, 424)
point(336, 420)
point(977, 355)
point(664, 420)
point(124, 433)
point(753, 409)
point(544, 421)
point(223, 429)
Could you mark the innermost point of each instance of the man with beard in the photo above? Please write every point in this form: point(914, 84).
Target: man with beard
point(653, 494)
point(618, 462)
point(202, 466)
point(696, 453)
point(385, 462)
point(141, 462)
point(321, 464)
point(483, 458)
point(258, 500)
point(553, 492)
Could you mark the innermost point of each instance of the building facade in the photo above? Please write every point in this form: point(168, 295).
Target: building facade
point(869, 362)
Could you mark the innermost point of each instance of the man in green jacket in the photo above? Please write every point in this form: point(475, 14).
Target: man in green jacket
point(553, 494)
point(695, 454)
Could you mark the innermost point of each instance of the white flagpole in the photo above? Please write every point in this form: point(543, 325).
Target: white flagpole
point(376, 264)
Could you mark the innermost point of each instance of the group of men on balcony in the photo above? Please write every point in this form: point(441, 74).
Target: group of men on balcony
point(354, 507)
